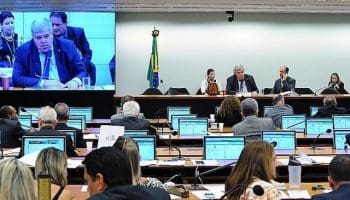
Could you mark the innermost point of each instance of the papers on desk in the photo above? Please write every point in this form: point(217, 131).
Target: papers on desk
point(108, 135)
point(148, 162)
point(72, 164)
point(12, 152)
point(213, 192)
point(164, 136)
point(308, 160)
point(90, 136)
point(205, 162)
point(84, 188)
point(162, 162)
point(298, 194)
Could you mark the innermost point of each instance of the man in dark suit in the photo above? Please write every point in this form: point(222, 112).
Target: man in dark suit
point(330, 107)
point(11, 130)
point(45, 61)
point(62, 111)
point(241, 82)
point(338, 179)
point(108, 175)
point(284, 83)
point(77, 35)
point(47, 123)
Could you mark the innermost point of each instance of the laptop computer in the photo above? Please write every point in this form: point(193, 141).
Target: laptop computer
point(339, 138)
point(313, 111)
point(147, 146)
point(315, 126)
point(26, 121)
point(175, 119)
point(32, 144)
point(72, 134)
point(178, 111)
point(223, 147)
point(193, 128)
point(267, 109)
point(136, 132)
point(86, 111)
point(293, 122)
point(341, 121)
point(285, 140)
point(77, 121)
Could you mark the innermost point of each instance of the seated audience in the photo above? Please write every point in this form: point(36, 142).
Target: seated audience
point(251, 125)
point(240, 82)
point(120, 114)
point(53, 162)
point(279, 109)
point(11, 130)
point(256, 166)
point(130, 120)
point(62, 111)
point(131, 150)
point(337, 84)
point(109, 176)
point(47, 123)
point(206, 87)
point(45, 61)
point(16, 181)
point(338, 179)
point(229, 112)
point(284, 83)
point(330, 107)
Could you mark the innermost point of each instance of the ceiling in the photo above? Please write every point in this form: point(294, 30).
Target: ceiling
point(289, 6)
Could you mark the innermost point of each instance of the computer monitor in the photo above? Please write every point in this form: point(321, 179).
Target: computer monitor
point(339, 138)
point(315, 126)
point(86, 111)
point(32, 144)
point(193, 127)
point(26, 121)
point(30, 111)
point(293, 122)
point(313, 111)
point(341, 121)
point(136, 132)
point(75, 119)
point(223, 147)
point(267, 109)
point(178, 111)
point(285, 140)
point(147, 146)
point(175, 119)
point(72, 134)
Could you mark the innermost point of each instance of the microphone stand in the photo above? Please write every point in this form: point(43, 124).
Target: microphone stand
point(313, 147)
point(319, 89)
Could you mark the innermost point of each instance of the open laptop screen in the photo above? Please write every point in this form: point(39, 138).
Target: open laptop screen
point(175, 119)
point(285, 140)
point(317, 126)
point(339, 138)
point(86, 111)
point(341, 121)
point(32, 144)
point(267, 109)
point(193, 127)
point(77, 121)
point(223, 147)
point(26, 121)
point(136, 132)
point(293, 122)
point(313, 111)
point(178, 111)
point(147, 146)
point(72, 134)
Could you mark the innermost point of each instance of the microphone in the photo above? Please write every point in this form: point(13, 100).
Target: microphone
point(313, 147)
point(319, 89)
point(163, 87)
point(274, 144)
point(173, 133)
point(257, 190)
point(23, 109)
point(291, 126)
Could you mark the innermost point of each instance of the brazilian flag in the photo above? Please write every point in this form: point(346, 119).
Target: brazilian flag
point(153, 68)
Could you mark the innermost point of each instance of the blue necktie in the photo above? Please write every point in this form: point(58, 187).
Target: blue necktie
point(241, 86)
point(46, 71)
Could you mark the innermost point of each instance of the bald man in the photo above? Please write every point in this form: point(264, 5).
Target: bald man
point(284, 83)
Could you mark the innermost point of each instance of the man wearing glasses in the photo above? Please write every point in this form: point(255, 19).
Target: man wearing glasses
point(46, 61)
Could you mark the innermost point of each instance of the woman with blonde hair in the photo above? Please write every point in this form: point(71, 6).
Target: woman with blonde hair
point(255, 166)
point(130, 149)
point(16, 181)
point(53, 162)
point(229, 112)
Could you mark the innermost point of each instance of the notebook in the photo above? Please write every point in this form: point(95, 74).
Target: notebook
point(223, 147)
point(293, 122)
point(317, 126)
point(72, 134)
point(32, 144)
point(147, 146)
point(197, 127)
point(136, 132)
point(341, 121)
point(178, 111)
point(339, 138)
point(175, 119)
point(285, 139)
point(26, 121)
point(86, 111)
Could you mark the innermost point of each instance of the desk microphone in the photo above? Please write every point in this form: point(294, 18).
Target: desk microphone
point(174, 133)
point(274, 144)
point(291, 126)
point(257, 190)
point(313, 147)
point(319, 89)
point(23, 109)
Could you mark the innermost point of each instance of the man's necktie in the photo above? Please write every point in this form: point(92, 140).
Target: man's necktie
point(241, 86)
point(46, 71)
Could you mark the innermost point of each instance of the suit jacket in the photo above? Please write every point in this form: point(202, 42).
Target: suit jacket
point(131, 192)
point(11, 132)
point(343, 192)
point(79, 134)
point(27, 67)
point(287, 85)
point(232, 84)
point(253, 125)
point(329, 111)
point(277, 112)
point(48, 131)
point(133, 123)
point(341, 88)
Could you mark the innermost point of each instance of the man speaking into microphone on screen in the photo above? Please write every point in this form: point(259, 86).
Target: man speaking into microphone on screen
point(47, 62)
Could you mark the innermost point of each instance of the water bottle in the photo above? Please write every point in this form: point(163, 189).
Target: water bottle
point(294, 173)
